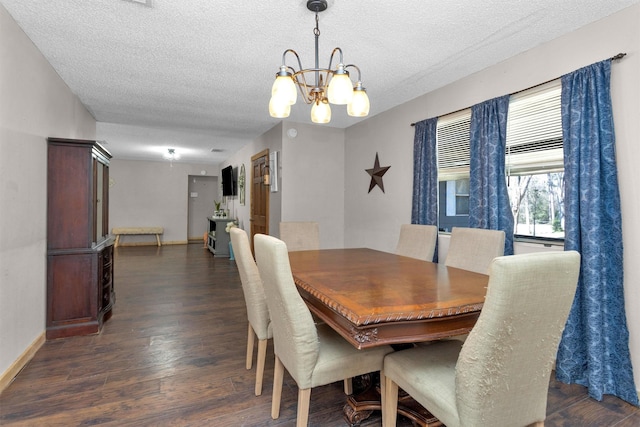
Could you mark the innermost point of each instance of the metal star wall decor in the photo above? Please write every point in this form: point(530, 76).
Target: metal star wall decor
point(376, 174)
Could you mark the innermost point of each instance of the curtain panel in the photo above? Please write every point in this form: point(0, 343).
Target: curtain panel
point(489, 205)
point(424, 208)
point(594, 350)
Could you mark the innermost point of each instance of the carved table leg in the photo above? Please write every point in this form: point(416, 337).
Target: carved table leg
point(360, 406)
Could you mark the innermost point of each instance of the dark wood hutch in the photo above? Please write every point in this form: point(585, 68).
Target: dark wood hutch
point(80, 291)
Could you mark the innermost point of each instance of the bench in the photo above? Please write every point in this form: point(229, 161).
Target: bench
point(119, 231)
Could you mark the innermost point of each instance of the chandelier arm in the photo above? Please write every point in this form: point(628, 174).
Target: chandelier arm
point(336, 49)
point(284, 54)
point(357, 69)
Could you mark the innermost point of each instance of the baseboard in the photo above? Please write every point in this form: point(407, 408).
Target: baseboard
point(13, 370)
point(154, 243)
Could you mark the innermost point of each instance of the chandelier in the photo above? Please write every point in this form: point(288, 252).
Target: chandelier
point(318, 86)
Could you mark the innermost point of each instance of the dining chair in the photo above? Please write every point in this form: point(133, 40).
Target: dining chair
point(300, 235)
point(314, 355)
point(417, 241)
point(257, 310)
point(473, 249)
point(500, 375)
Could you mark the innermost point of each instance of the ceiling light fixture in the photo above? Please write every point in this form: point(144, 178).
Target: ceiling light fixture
point(330, 85)
point(171, 154)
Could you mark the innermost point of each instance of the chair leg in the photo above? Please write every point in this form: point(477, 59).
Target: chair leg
point(304, 400)
point(348, 386)
point(383, 398)
point(250, 340)
point(390, 401)
point(262, 355)
point(278, 378)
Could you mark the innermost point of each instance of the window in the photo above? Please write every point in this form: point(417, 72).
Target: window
point(534, 164)
point(452, 135)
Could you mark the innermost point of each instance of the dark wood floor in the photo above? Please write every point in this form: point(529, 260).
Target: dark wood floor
point(173, 355)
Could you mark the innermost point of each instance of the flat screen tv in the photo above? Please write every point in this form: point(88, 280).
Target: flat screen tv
point(228, 182)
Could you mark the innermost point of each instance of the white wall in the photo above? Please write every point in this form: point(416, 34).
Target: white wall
point(35, 104)
point(313, 180)
point(310, 179)
point(391, 135)
point(154, 194)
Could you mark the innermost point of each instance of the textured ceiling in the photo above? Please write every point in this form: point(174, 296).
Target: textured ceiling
point(196, 75)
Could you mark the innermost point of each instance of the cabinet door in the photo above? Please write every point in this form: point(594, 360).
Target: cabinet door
point(69, 193)
point(100, 200)
point(72, 295)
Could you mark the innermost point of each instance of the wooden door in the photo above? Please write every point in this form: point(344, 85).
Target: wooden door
point(259, 195)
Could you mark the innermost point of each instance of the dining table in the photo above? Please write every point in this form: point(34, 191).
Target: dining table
point(374, 298)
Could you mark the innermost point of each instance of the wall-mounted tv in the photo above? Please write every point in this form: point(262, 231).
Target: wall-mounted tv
point(229, 183)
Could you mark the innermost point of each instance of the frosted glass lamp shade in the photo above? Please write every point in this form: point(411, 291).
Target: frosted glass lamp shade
point(284, 88)
point(340, 89)
point(278, 108)
point(359, 105)
point(321, 112)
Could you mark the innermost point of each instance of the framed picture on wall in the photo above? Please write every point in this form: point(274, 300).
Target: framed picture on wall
point(241, 180)
point(273, 167)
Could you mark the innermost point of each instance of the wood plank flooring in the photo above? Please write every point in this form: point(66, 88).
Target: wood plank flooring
point(173, 352)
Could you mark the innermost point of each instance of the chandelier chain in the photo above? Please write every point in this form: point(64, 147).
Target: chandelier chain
point(316, 30)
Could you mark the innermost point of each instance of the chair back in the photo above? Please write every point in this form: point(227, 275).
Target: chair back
point(417, 241)
point(295, 338)
point(504, 366)
point(257, 310)
point(473, 249)
point(300, 235)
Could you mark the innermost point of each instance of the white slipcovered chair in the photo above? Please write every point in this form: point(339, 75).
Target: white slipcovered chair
point(314, 355)
point(300, 235)
point(417, 241)
point(257, 310)
point(473, 249)
point(500, 375)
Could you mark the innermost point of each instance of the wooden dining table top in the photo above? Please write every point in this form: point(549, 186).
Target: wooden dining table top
point(373, 298)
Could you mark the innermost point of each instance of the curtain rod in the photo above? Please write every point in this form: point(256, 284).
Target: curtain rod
point(613, 58)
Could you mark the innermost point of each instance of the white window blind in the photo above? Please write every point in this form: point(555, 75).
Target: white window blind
point(534, 135)
point(534, 131)
point(452, 136)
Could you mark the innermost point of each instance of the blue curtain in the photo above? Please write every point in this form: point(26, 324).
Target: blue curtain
point(594, 350)
point(489, 205)
point(425, 175)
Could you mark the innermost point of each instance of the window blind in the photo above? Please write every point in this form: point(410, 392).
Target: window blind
point(534, 135)
point(534, 131)
point(452, 137)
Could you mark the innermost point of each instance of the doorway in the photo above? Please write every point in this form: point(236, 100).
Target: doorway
point(259, 218)
point(203, 190)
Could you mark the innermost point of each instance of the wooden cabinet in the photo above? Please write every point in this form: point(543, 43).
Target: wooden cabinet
point(217, 238)
point(80, 292)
